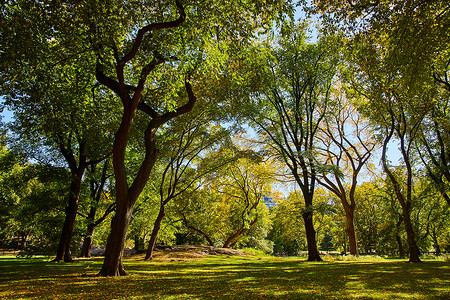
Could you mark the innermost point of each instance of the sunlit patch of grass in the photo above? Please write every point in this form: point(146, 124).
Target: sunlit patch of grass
point(227, 277)
point(361, 258)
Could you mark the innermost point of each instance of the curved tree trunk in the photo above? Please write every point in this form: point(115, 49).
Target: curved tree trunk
point(126, 195)
point(205, 235)
point(437, 248)
point(232, 238)
point(156, 228)
point(112, 265)
point(401, 252)
point(405, 202)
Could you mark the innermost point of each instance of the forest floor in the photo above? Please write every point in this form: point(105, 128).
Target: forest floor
point(177, 273)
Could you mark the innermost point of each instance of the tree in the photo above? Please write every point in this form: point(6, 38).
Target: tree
point(433, 143)
point(127, 64)
point(245, 188)
point(229, 205)
point(399, 109)
point(58, 110)
point(293, 105)
point(97, 199)
point(345, 153)
point(416, 42)
point(287, 233)
point(326, 244)
point(176, 44)
point(186, 160)
point(393, 74)
point(31, 203)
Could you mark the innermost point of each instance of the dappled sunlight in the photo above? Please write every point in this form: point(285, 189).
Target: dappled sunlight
point(227, 278)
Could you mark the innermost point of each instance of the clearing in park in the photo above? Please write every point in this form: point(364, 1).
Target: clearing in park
point(194, 274)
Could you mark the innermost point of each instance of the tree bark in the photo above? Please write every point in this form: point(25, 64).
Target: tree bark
point(313, 253)
point(126, 195)
point(405, 202)
point(231, 241)
point(112, 265)
point(350, 230)
point(125, 201)
point(414, 252)
point(87, 242)
point(156, 228)
point(63, 251)
point(208, 239)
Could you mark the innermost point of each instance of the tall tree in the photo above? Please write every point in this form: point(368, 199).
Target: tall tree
point(416, 40)
point(164, 37)
point(186, 160)
point(58, 110)
point(230, 203)
point(97, 196)
point(434, 142)
point(293, 105)
point(399, 46)
point(145, 55)
point(345, 154)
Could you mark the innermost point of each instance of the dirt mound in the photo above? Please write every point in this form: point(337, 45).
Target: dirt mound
point(182, 252)
point(204, 250)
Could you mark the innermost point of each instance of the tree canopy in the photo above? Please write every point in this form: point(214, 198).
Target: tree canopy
point(222, 122)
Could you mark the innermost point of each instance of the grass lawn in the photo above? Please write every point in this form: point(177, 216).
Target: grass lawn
point(226, 277)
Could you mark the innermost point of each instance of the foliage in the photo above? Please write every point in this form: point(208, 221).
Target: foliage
point(228, 209)
point(33, 199)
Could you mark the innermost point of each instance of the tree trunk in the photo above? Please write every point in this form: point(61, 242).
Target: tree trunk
point(446, 197)
point(126, 196)
point(313, 253)
point(112, 265)
point(86, 248)
point(436, 246)
point(350, 230)
point(138, 243)
point(208, 239)
point(156, 228)
point(405, 202)
point(22, 244)
point(63, 252)
point(401, 252)
point(232, 238)
point(414, 252)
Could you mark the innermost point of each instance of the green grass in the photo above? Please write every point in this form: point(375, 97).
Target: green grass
point(226, 277)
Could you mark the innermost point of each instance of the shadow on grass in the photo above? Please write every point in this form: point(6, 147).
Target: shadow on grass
point(227, 278)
